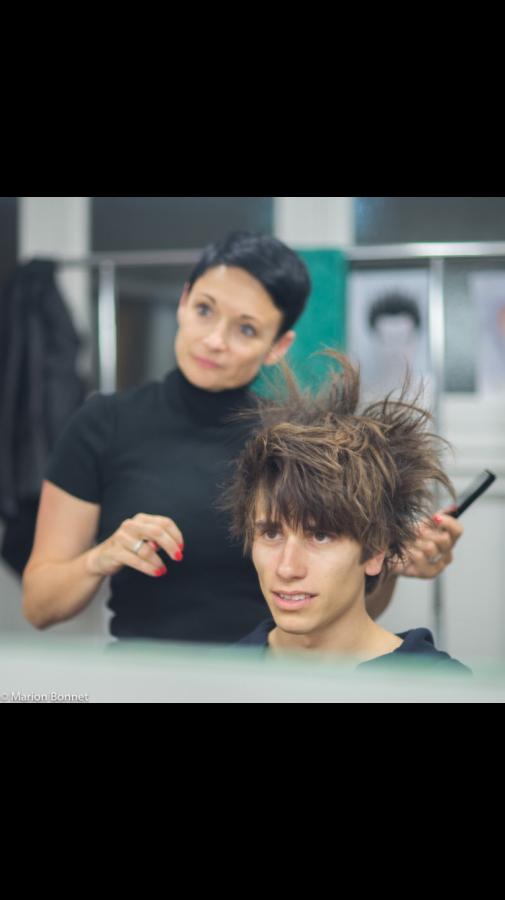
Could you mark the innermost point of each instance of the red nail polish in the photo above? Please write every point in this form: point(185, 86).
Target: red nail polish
point(437, 520)
point(181, 546)
point(160, 571)
point(178, 556)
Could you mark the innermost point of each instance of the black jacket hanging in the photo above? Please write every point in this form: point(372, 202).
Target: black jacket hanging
point(39, 385)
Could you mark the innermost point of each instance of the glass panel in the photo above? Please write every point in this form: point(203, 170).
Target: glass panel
point(474, 293)
point(396, 220)
point(161, 223)
point(147, 298)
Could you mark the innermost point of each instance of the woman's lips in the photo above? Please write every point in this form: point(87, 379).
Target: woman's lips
point(206, 363)
point(297, 601)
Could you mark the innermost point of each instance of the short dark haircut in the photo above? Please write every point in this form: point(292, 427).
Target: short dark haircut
point(394, 304)
point(320, 464)
point(278, 269)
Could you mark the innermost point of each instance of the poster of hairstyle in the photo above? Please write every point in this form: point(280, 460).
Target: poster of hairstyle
point(487, 290)
point(387, 316)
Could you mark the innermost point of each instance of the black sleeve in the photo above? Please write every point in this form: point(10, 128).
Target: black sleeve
point(80, 460)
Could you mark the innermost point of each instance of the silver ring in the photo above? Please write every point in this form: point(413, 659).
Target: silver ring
point(433, 561)
point(137, 546)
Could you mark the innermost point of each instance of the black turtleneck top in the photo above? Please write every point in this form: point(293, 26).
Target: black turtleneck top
point(166, 449)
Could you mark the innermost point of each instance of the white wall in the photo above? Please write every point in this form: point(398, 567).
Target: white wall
point(314, 221)
point(473, 587)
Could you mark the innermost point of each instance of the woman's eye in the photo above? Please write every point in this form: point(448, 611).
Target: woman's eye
point(321, 537)
point(271, 533)
point(201, 306)
point(251, 332)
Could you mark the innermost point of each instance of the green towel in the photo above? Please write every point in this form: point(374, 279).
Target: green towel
point(323, 323)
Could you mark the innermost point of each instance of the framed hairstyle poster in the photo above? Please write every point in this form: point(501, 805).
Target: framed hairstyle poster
point(387, 316)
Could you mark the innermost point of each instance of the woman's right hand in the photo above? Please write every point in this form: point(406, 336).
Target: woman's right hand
point(123, 548)
point(66, 568)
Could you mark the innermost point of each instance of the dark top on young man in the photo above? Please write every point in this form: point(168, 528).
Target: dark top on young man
point(417, 642)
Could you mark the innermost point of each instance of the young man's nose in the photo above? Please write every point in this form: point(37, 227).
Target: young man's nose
point(291, 562)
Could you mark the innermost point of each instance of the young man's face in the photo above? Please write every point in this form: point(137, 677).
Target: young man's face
point(228, 325)
point(309, 580)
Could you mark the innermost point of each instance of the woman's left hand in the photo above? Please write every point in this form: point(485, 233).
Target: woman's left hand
point(431, 553)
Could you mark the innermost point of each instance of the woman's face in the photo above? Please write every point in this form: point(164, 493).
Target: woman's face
point(227, 329)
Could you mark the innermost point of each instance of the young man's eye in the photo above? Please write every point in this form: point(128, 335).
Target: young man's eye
point(270, 533)
point(321, 537)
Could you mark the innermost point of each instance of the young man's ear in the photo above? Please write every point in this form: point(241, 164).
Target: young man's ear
point(373, 566)
point(280, 348)
point(183, 301)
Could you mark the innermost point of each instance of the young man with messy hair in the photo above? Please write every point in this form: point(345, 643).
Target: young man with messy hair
point(327, 500)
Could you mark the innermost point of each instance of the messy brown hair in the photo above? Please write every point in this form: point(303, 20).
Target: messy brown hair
point(319, 464)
